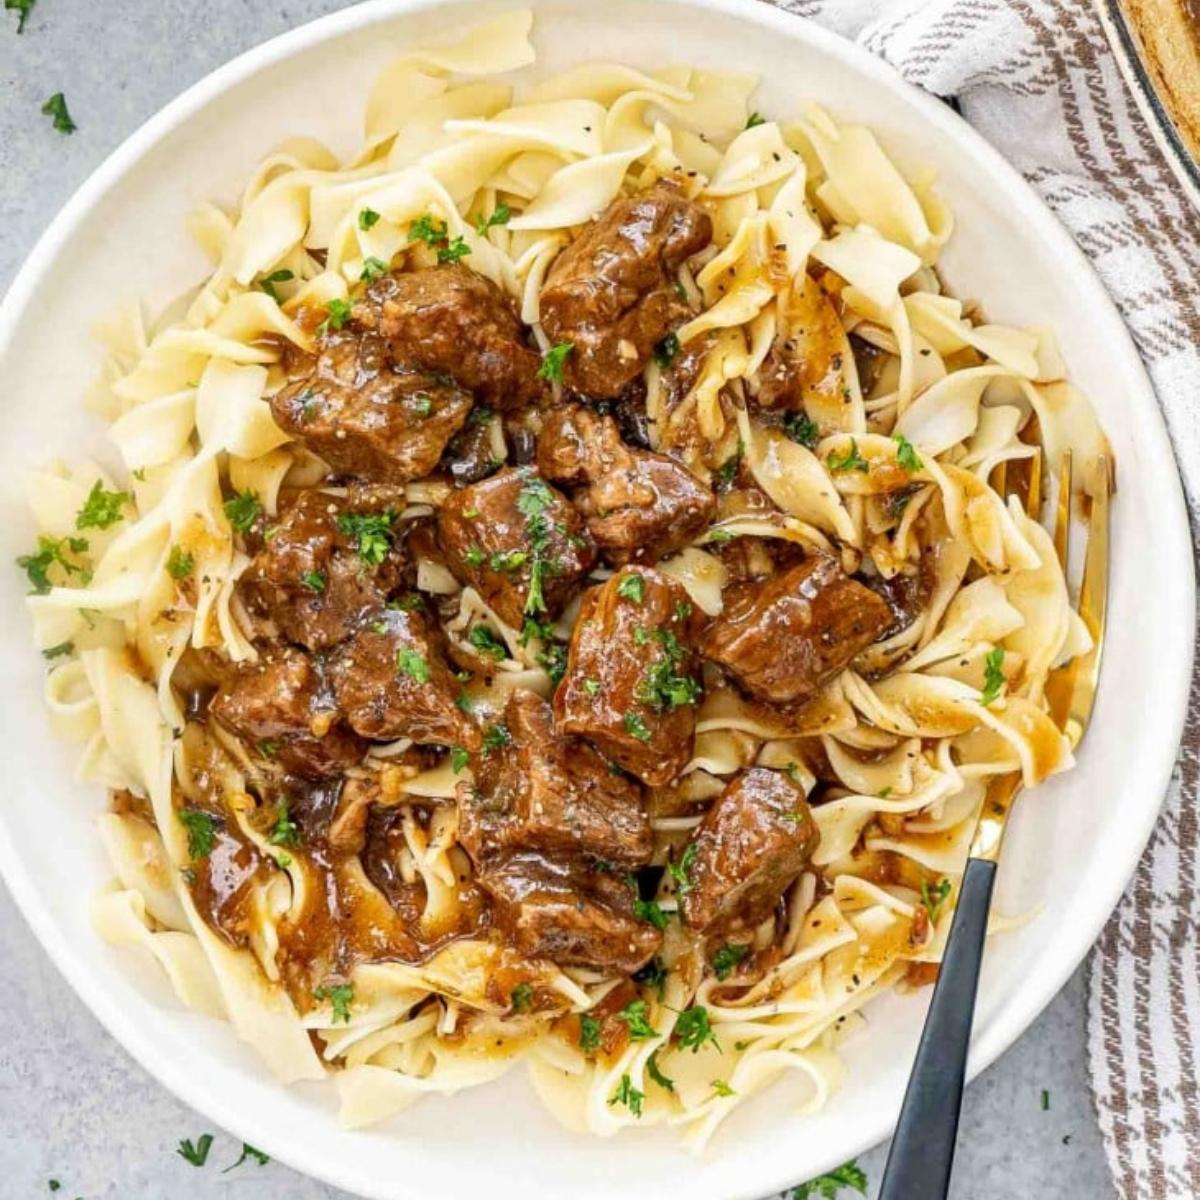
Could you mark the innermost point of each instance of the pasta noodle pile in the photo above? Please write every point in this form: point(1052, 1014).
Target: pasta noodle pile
point(817, 236)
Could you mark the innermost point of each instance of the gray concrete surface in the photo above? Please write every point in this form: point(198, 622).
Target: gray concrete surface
point(73, 1106)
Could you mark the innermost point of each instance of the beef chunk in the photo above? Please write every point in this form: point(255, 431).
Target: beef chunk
point(632, 685)
point(324, 566)
point(391, 681)
point(569, 915)
point(281, 707)
point(905, 595)
point(518, 541)
point(611, 293)
point(784, 639)
point(551, 794)
point(366, 417)
point(454, 322)
point(638, 505)
point(753, 842)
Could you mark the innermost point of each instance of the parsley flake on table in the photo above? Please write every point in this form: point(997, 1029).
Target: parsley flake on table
point(196, 1154)
point(56, 108)
point(248, 1152)
point(22, 8)
point(827, 1186)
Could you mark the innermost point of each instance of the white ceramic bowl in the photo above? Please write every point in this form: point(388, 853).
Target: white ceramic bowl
point(1075, 841)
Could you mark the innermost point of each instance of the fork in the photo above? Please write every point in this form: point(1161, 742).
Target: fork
point(922, 1150)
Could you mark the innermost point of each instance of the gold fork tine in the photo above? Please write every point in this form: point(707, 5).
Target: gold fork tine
point(1062, 512)
point(1033, 496)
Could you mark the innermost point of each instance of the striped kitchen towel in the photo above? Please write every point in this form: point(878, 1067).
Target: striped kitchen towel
point(1036, 78)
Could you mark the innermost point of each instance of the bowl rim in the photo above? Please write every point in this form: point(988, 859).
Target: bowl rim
point(1032, 996)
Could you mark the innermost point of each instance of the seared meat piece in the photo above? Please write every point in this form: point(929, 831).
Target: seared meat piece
point(905, 595)
point(753, 842)
point(551, 794)
point(317, 575)
point(784, 639)
point(638, 505)
point(515, 538)
point(572, 916)
point(632, 685)
point(454, 322)
point(611, 293)
point(366, 417)
point(281, 707)
point(391, 681)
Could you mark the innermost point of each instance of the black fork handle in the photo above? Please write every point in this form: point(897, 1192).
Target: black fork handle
point(922, 1152)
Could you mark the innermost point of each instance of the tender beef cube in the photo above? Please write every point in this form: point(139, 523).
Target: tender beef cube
point(906, 596)
point(316, 576)
point(366, 417)
point(569, 915)
point(612, 292)
point(451, 321)
point(784, 639)
point(638, 505)
point(632, 684)
point(551, 794)
point(753, 842)
point(391, 681)
point(505, 532)
point(282, 708)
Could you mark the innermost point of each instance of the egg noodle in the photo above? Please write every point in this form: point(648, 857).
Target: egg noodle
point(817, 235)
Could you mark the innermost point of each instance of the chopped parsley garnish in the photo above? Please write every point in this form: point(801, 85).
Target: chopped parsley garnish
point(268, 747)
point(23, 8)
point(243, 510)
point(718, 537)
point(373, 268)
point(653, 973)
point(683, 610)
point(487, 643)
point(634, 1017)
point(553, 660)
point(285, 831)
point(906, 454)
point(474, 556)
point(521, 997)
point(655, 1073)
point(495, 737)
point(201, 832)
point(52, 551)
point(667, 350)
point(463, 703)
point(592, 687)
point(722, 1088)
point(993, 678)
point(629, 1096)
point(850, 461)
point(826, 1187)
point(636, 727)
point(428, 230)
point(339, 314)
point(59, 650)
point(196, 1154)
point(248, 1151)
point(102, 508)
point(410, 662)
point(589, 1034)
point(422, 404)
point(367, 218)
point(454, 251)
point(313, 580)
point(56, 107)
point(553, 362)
point(459, 759)
point(649, 911)
point(372, 534)
point(681, 871)
point(662, 685)
point(934, 897)
point(532, 501)
point(180, 563)
point(501, 215)
point(801, 428)
point(507, 560)
point(755, 119)
point(727, 471)
point(283, 275)
point(632, 588)
point(693, 1029)
point(339, 996)
point(727, 958)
